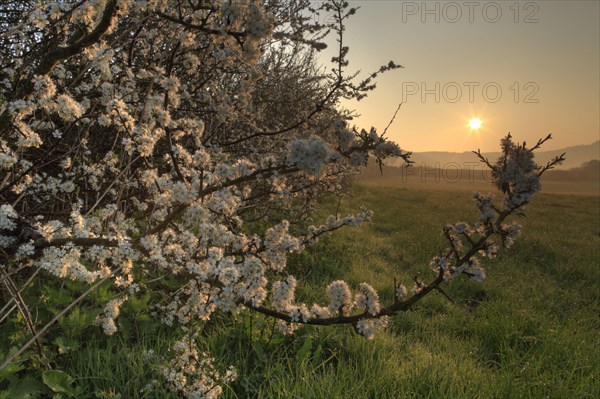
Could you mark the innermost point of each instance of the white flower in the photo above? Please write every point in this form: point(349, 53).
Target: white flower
point(25, 250)
point(44, 87)
point(284, 293)
point(475, 271)
point(6, 242)
point(192, 374)
point(66, 163)
point(111, 312)
point(401, 291)
point(340, 297)
point(27, 137)
point(358, 159)
point(7, 156)
point(368, 327)
point(368, 299)
point(309, 155)
point(7, 217)
point(67, 108)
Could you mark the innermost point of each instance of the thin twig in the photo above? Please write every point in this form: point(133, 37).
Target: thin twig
point(24, 309)
point(56, 318)
point(391, 120)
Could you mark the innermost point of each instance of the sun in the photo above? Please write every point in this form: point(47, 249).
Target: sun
point(475, 123)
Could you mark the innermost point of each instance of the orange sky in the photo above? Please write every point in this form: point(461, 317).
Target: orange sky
point(544, 58)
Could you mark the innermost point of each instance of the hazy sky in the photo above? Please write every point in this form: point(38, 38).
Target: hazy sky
point(531, 68)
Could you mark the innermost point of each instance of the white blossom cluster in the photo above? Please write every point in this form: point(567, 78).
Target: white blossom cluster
point(340, 298)
point(510, 232)
point(111, 312)
point(401, 291)
point(193, 374)
point(517, 173)
point(68, 262)
point(310, 155)
point(283, 294)
point(368, 299)
point(7, 217)
point(278, 244)
point(485, 204)
point(368, 327)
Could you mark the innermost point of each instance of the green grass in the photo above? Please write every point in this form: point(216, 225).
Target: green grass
point(530, 330)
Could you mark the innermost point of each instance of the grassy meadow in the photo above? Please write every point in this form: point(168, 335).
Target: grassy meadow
point(530, 330)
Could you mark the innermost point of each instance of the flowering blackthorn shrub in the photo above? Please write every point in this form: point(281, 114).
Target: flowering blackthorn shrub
point(144, 138)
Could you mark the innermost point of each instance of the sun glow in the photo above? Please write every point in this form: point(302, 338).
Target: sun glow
point(475, 123)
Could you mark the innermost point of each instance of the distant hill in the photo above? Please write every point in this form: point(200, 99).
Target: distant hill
point(589, 171)
point(576, 157)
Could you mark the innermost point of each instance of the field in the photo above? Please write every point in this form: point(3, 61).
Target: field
point(530, 330)
point(479, 179)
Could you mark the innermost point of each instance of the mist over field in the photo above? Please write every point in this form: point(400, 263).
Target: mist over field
point(464, 172)
point(576, 156)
